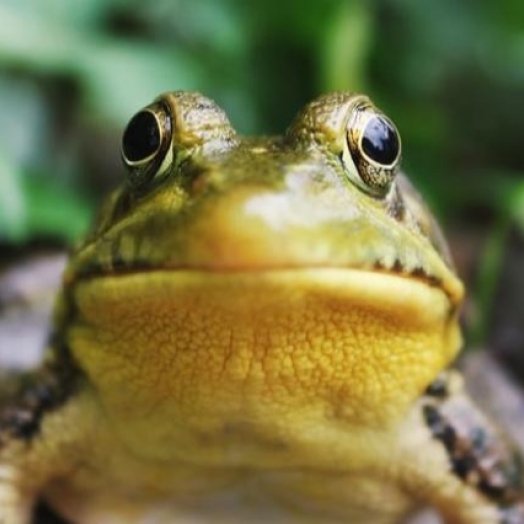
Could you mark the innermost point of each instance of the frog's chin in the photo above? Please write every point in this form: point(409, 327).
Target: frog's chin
point(364, 343)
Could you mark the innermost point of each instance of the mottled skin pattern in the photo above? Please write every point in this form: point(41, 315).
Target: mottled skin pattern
point(255, 330)
point(477, 452)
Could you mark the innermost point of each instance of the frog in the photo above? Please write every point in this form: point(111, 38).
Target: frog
point(256, 329)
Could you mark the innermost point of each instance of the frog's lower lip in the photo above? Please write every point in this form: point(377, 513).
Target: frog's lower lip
point(452, 289)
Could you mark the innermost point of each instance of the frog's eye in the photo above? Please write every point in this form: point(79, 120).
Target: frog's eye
point(374, 149)
point(146, 142)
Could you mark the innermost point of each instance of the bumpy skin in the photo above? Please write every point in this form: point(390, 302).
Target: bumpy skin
point(251, 334)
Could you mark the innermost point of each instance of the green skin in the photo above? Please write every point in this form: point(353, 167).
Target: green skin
point(203, 211)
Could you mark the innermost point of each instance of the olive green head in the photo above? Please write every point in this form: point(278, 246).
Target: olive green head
point(328, 193)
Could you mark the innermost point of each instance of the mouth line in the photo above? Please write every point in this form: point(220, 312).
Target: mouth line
point(396, 270)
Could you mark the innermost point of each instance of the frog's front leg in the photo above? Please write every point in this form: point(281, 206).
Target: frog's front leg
point(40, 423)
point(18, 427)
point(16, 504)
point(460, 462)
point(18, 492)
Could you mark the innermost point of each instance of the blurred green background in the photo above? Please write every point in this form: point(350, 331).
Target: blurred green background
point(449, 73)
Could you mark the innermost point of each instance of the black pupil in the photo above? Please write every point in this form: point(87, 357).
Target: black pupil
point(380, 141)
point(141, 138)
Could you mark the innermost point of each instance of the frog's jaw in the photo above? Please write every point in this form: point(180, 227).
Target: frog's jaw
point(252, 228)
point(192, 353)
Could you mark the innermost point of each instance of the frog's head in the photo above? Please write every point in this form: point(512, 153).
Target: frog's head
point(328, 194)
point(302, 269)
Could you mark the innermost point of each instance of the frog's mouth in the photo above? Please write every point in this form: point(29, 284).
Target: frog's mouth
point(250, 230)
point(217, 259)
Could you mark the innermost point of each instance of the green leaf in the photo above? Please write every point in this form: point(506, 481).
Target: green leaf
point(54, 210)
point(346, 46)
point(117, 76)
point(120, 77)
point(13, 207)
point(517, 205)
